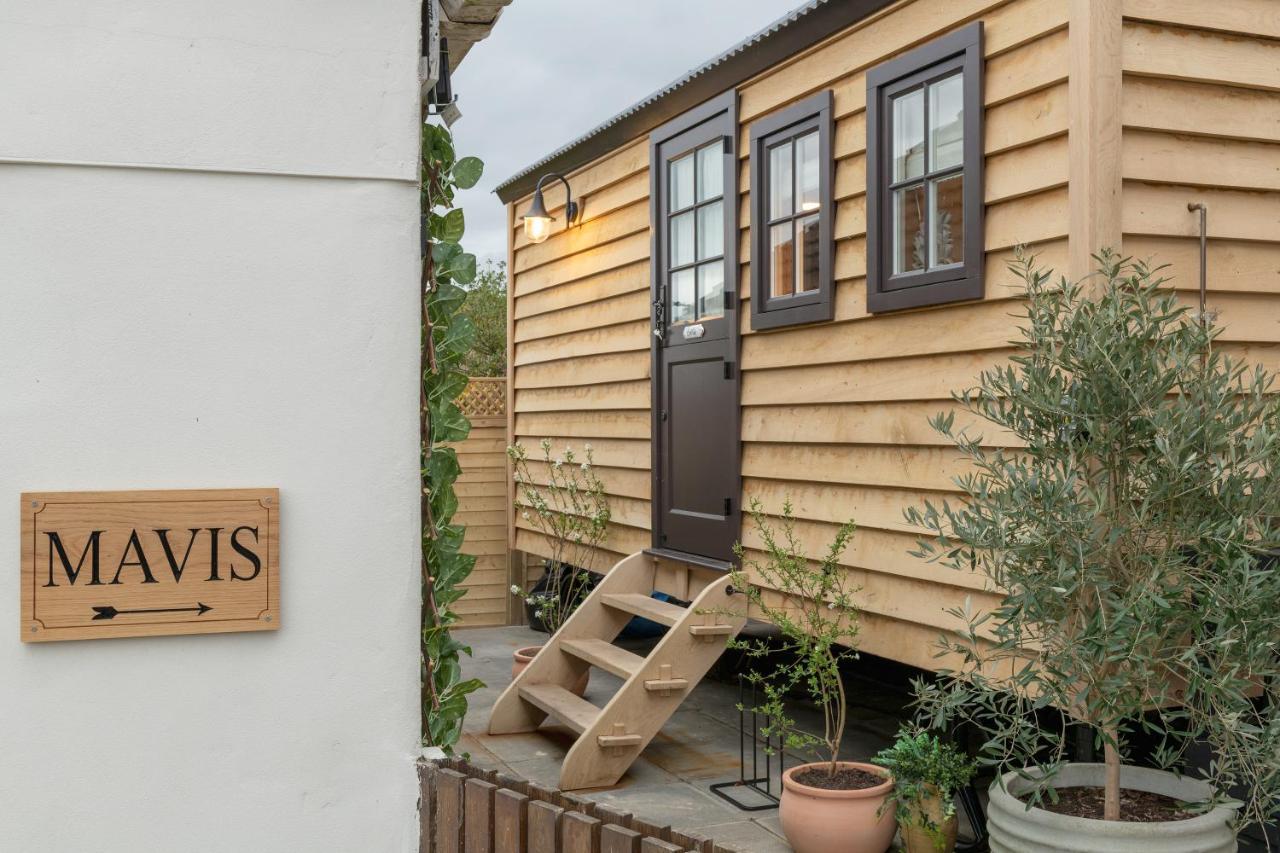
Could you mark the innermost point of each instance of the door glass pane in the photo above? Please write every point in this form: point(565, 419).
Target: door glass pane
point(908, 135)
point(947, 217)
point(807, 165)
point(710, 290)
point(780, 182)
point(681, 182)
point(711, 171)
point(682, 239)
point(782, 261)
point(946, 123)
point(908, 229)
point(711, 230)
point(682, 295)
point(807, 254)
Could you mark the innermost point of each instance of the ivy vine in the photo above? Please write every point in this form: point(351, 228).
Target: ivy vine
point(446, 336)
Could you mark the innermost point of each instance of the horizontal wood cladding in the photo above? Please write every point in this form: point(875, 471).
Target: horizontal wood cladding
point(1178, 53)
point(1242, 17)
point(835, 416)
point(1201, 112)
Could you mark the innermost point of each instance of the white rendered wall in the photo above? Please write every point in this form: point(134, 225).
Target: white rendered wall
point(179, 328)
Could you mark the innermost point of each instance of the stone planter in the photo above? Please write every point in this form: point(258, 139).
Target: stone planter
point(1014, 828)
point(521, 658)
point(816, 820)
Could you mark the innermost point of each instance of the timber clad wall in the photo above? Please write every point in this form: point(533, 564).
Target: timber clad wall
point(1201, 115)
point(834, 414)
point(482, 502)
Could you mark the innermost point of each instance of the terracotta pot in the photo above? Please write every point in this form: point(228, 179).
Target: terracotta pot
point(816, 820)
point(522, 657)
point(930, 811)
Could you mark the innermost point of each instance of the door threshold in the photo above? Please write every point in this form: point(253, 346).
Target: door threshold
point(691, 559)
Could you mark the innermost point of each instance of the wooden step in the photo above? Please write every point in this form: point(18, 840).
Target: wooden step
point(642, 605)
point(575, 712)
point(605, 655)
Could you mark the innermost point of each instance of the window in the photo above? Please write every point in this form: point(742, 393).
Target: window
point(695, 228)
point(924, 175)
point(791, 215)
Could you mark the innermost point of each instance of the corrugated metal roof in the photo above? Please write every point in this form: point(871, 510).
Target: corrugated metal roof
point(788, 35)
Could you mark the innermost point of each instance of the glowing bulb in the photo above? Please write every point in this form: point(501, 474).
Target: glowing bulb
point(537, 228)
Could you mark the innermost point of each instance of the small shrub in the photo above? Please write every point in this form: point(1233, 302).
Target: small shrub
point(813, 607)
point(570, 508)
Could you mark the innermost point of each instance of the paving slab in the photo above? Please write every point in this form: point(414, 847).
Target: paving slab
point(670, 782)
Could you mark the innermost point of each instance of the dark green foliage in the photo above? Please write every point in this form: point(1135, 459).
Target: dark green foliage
point(1129, 533)
point(486, 307)
point(924, 767)
point(446, 339)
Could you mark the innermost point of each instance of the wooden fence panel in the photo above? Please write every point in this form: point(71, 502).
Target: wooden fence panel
point(483, 498)
point(468, 810)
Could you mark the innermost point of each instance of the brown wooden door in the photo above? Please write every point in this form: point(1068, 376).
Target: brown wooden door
point(696, 449)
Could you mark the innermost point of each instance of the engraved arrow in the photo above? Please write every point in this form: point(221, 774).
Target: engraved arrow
point(108, 612)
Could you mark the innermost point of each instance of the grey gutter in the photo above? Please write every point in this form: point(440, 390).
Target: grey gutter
point(785, 37)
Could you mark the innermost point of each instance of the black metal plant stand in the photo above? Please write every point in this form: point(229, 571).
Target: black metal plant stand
point(753, 784)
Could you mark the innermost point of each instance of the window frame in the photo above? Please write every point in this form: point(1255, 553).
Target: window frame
point(815, 306)
point(961, 50)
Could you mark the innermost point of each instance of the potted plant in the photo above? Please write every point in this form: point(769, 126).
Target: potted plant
point(1126, 518)
point(927, 776)
point(829, 806)
point(566, 502)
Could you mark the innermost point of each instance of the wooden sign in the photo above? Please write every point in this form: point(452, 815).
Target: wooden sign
point(137, 564)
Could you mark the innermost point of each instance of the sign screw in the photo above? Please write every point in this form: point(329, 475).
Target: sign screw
point(266, 500)
point(33, 629)
point(35, 504)
point(267, 617)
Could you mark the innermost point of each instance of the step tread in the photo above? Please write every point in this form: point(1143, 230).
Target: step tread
point(605, 655)
point(575, 712)
point(650, 608)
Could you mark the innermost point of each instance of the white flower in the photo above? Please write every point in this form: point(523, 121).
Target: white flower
point(537, 614)
point(831, 606)
point(586, 447)
point(515, 590)
point(586, 466)
point(558, 463)
point(525, 515)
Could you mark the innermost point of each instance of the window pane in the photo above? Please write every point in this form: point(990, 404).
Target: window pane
point(682, 296)
point(946, 123)
point(710, 290)
point(682, 239)
point(807, 255)
point(807, 165)
point(908, 135)
point(908, 229)
point(947, 205)
point(681, 191)
point(782, 261)
point(711, 171)
point(780, 182)
point(710, 230)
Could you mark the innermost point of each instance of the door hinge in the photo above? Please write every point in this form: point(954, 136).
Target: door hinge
point(728, 370)
point(662, 416)
point(728, 506)
point(728, 301)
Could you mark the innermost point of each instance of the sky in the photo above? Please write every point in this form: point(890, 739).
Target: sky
point(554, 69)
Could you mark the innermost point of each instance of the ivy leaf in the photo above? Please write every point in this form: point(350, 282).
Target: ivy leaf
point(452, 225)
point(467, 172)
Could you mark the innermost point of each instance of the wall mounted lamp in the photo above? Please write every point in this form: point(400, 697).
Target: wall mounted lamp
point(537, 222)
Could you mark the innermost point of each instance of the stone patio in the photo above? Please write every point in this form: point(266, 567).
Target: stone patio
point(698, 747)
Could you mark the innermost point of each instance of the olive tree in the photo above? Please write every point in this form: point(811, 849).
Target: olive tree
point(1130, 525)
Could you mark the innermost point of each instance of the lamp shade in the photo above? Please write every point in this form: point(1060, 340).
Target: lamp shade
point(537, 222)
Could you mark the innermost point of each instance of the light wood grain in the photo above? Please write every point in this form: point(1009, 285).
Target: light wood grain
point(114, 543)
